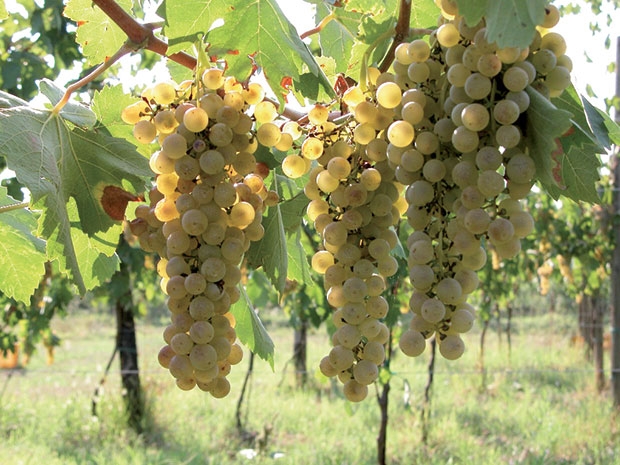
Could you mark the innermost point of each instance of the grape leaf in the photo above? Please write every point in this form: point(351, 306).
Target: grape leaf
point(580, 173)
point(56, 161)
point(270, 252)
point(298, 267)
point(271, 42)
point(3, 13)
point(423, 14)
point(250, 329)
point(606, 130)
point(365, 6)
point(22, 255)
point(107, 105)
point(75, 112)
point(588, 130)
point(98, 35)
point(96, 253)
point(9, 100)
point(545, 123)
point(188, 21)
point(511, 23)
point(293, 211)
point(337, 37)
point(472, 10)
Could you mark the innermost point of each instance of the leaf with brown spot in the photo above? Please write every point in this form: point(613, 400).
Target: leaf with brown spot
point(114, 201)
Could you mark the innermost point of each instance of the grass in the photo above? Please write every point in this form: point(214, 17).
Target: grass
point(536, 406)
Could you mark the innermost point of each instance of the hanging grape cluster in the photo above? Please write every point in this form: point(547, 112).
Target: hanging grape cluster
point(205, 210)
point(468, 167)
point(445, 127)
point(354, 206)
point(438, 140)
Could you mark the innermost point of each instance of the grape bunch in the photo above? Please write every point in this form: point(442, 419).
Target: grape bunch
point(205, 209)
point(354, 205)
point(465, 101)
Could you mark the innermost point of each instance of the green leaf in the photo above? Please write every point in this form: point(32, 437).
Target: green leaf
point(337, 37)
point(3, 13)
point(188, 21)
point(298, 267)
point(96, 253)
point(56, 161)
point(512, 23)
point(9, 100)
point(77, 113)
point(270, 252)
point(545, 124)
point(98, 35)
point(472, 10)
point(22, 255)
point(583, 134)
point(250, 329)
point(365, 6)
point(606, 130)
point(270, 39)
point(293, 211)
point(580, 173)
point(107, 105)
point(423, 14)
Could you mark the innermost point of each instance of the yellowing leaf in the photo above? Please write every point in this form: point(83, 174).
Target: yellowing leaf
point(58, 162)
point(98, 35)
point(22, 255)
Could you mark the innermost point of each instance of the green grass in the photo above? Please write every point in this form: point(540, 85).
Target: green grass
point(537, 406)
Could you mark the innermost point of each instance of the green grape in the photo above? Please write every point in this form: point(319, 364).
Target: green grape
point(465, 140)
point(451, 347)
point(213, 78)
point(448, 35)
point(508, 136)
point(418, 72)
point(554, 42)
point(433, 310)
point(506, 111)
point(478, 86)
point(475, 117)
point(389, 95)
point(144, 131)
point(165, 121)
point(418, 50)
point(294, 166)
point(491, 183)
point(489, 65)
point(515, 79)
point(412, 343)
point(268, 134)
point(522, 223)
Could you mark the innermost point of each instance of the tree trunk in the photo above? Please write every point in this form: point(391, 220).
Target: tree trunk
point(300, 345)
point(597, 339)
point(383, 399)
point(128, 354)
point(426, 407)
point(615, 265)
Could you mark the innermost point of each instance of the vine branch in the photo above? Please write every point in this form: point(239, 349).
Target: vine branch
point(401, 32)
point(142, 34)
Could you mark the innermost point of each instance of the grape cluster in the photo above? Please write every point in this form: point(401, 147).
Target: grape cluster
point(354, 205)
point(205, 210)
point(465, 101)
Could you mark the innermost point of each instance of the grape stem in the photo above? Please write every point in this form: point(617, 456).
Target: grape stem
point(15, 206)
point(319, 27)
point(125, 49)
